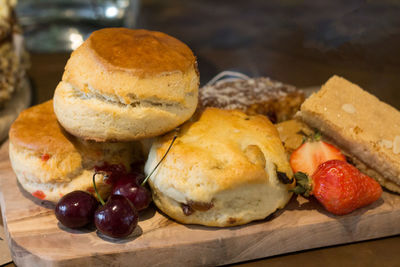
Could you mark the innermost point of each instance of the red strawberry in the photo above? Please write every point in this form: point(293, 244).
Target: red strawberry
point(339, 187)
point(307, 157)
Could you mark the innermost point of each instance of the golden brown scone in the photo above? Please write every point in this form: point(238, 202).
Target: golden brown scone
point(221, 171)
point(123, 84)
point(361, 125)
point(49, 162)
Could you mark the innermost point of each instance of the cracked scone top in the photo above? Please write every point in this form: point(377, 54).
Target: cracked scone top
point(123, 84)
point(221, 170)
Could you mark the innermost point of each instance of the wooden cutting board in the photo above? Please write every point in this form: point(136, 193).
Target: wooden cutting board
point(37, 239)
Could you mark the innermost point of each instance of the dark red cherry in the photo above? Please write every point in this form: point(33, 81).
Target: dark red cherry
point(137, 194)
point(113, 171)
point(76, 209)
point(139, 177)
point(117, 217)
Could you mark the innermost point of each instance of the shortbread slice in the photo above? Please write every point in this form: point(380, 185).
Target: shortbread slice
point(360, 124)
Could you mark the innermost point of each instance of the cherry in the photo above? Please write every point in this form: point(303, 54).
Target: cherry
point(137, 194)
point(113, 171)
point(76, 209)
point(116, 218)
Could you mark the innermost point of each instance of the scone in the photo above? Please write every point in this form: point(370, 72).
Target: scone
point(123, 84)
point(261, 95)
point(221, 170)
point(359, 124)
point(49, 162)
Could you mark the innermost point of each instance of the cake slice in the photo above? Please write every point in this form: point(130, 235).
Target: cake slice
point(276, 100)
point(361, 125)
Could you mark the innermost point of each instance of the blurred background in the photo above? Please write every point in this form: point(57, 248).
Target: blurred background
point(298, 42)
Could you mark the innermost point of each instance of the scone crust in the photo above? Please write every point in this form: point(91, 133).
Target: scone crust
point(148, 80)
point(45, 158)
point(37, 129)
point(359, 123)
point(98, 119)
point(225, 161)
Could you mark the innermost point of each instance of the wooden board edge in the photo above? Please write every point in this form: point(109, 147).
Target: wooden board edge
point(252, 247)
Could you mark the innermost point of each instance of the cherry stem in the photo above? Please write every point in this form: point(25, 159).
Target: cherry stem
point(95, 189)
point(158, 164)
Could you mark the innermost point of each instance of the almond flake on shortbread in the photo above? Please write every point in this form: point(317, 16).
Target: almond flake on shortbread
point(396, 145)
point(349, 108)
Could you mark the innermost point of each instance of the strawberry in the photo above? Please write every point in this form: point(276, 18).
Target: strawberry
point(339, 187)
point(307, 157)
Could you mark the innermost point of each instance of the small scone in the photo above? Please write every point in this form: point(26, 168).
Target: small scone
point(49, 162)
point(123, 84)
point(359, 124)
point(221, 170)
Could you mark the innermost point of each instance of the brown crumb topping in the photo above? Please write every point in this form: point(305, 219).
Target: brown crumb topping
point(262, 95)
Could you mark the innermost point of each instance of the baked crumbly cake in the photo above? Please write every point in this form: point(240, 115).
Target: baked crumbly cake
point(7, 18)
point(292, 133)
point(13, 58)
point(50, 163)
point(361, 125)
point(220, 171)
point(124, 84)
point(261, 95)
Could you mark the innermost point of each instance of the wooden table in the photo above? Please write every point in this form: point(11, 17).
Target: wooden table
point(299, 43)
